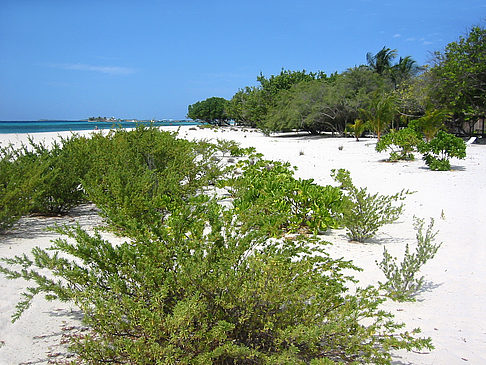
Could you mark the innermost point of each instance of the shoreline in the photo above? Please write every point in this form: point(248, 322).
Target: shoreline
point(450, 309)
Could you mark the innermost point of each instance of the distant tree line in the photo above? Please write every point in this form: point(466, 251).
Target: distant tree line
point(386, 92)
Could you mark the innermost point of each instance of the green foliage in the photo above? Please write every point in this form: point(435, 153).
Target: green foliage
point(380, 112)
point(401, 143)
point(64, 165)
point(199, 290)
point(211, 110)
point(357, 128)
point(402, 283)
point(439, 150)
point(364, 213)
point(324, 105)
point(459, 76)
point(381, 62)
point(138, 177)
point(267, 197)
point(18, 183)
point(430, 123)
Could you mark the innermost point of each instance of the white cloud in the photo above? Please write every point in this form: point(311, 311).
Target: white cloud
point(111, 70)
point(397, 35)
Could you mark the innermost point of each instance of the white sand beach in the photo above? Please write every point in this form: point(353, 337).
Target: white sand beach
point(451, 309)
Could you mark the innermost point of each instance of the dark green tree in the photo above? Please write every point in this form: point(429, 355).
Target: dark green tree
point(211, 110)
point(381, 62)
point(459, 76)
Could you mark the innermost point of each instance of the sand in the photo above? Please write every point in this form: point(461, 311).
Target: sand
point(450, 309)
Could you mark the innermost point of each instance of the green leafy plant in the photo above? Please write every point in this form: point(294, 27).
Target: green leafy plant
point(364, 213)
point(431, 123)
point(439, 150)
point(267, 196)
point(18, 183)
point(401, 144)
point(138, 177)
point(64, 165)
point(201, 290)
point(402, 282)
point(357, 128)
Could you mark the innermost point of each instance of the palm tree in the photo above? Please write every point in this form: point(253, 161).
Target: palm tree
point(380, 112)
point(405, 69)
point(357, 128)
point(382, 61)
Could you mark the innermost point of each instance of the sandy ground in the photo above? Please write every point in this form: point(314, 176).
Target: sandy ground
point(451, 308)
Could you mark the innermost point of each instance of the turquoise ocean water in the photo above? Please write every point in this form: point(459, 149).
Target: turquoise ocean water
point(74, 125)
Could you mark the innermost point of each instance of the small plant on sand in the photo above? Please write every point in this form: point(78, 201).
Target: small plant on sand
point(402, 283)
point(439, 150)
point(401, 144)
point(364, 213)
point(357, 128)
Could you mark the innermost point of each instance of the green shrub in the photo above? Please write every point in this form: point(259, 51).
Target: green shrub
point(402, 283)
point(64, 165)
point(199, 290)
point(138, 177)
point(364, 213)
point(401, 144)
point(18, 182)
point(439, 150)
point(269, 198)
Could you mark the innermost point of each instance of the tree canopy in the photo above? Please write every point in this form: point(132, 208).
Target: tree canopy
point(315, 102)
point(211, 110)
point(459, 76)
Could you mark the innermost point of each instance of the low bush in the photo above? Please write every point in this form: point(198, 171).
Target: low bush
point(64, 165)
point(440, 149)
point(364, 213)
point(402, 283)
point(137, 177)
point(269, 198)
point(18, 183)
point(199, 290)
point(401, 144)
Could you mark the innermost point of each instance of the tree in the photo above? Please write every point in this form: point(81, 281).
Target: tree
point(357, 128)
point(211, 110)
point(325, 104)
point(405, 69)
point(459, 76)
point(251, 105)
point(380, 112)
point(381, 62)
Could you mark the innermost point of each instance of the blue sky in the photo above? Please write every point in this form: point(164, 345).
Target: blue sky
point(71, 59)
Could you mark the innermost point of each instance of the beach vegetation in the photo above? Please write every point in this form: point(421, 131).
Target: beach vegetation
point(357, 128)
point(324, 105)
point(401, 144)
point(269, 198)
point(64, 164)
point(458, 77)
point(200, 289)
point(380, 112)
point(438, 151)
point(381, 62)
point(364, 213)
point(211, 110)
point(430, 123)
point(18, 185)
point(137, 177)
point(402, 283)
point(197, 281)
